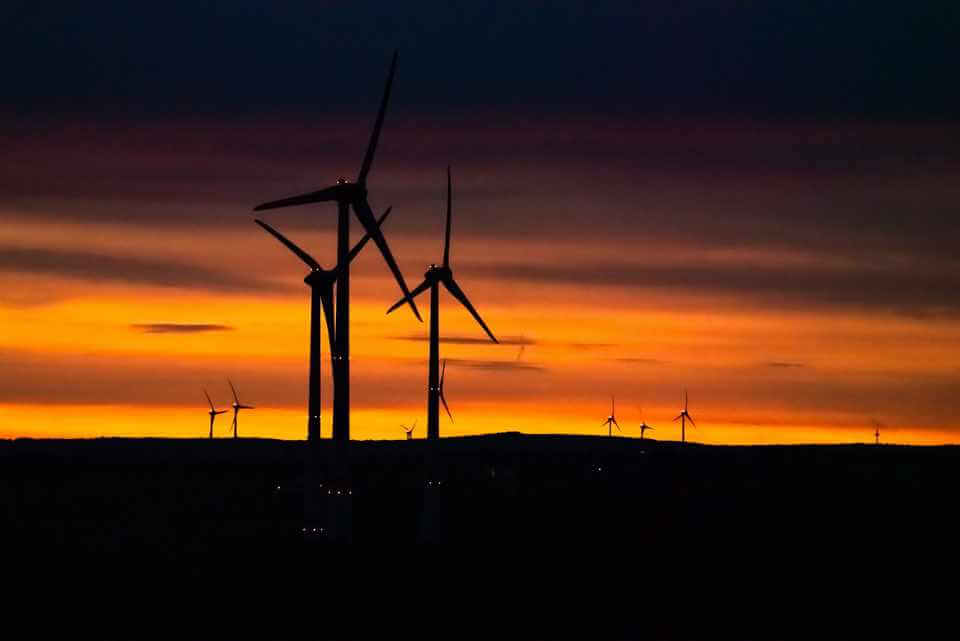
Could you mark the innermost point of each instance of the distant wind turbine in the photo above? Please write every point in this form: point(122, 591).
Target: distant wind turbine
point(612, 419)
point(683, 417)
point(876, 434)
point(433, 278)
point(321, 282)
point(351, 194)
point(213, 412)
point(409, 430)
point(237, 406)
point(643, 426)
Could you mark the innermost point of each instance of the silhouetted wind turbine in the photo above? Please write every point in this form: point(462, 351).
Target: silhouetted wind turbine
point(237, 406)
point(683, 417)
point(644, 427)
point(321, 282)
point(409, 430)
point(612, 419)
point(351, 194)
point(213, 412)
point(877, 425)
point(431, 280)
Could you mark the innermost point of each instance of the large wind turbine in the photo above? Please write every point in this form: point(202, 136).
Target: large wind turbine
point(683, 417)
point(213, 412)
point(612, 419)
point(431, 280)
point(321, 282)
point(237, 406)
point(351, 194)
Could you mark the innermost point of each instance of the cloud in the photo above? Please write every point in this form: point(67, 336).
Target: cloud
point(497, 365)
point(95, 266)
point(468, 340)
point(180, 328)
point(643, 361)
point(919, 291)
point(784, 364)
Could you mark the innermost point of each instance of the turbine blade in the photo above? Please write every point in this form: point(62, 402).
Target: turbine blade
point(422, 287)
point(454, 289)
point(322, 196)
point(446, 244)
point(302, 255)
point(365, 216)
point(443, 400)
point(617, 425)
point(366, 237)
point(678, 417)
point(209, 401)
point(692, 422)
point(326, 300)
point(378, 124)
point(686, 400)
point(234, 390)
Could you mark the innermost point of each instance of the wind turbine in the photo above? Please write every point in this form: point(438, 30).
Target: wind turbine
point(351, 194)
point(237, 406)
point(432, 279)
point(409, 430)
point(683, 417)
point(213, 412)
point(876, 434)
point(612, 419)
point(644, 427)
point(321, 282)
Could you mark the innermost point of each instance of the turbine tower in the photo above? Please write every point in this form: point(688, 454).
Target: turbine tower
point(351, 194)
point(612, 419)
point(237, 406)
point(432, 279)
point(321, 282)
point(683, 417)
point(213, 412)
point(409, 430)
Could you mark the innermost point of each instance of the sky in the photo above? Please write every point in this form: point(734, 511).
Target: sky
point(754, 203)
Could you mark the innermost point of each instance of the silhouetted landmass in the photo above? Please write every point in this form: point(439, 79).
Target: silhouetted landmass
point(560, 513)
point(508, 488)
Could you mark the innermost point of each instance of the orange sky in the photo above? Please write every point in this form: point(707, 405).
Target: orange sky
point(639, 292)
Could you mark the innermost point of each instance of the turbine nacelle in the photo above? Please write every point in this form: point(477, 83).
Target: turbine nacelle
point(320, 277)
point(437, 273)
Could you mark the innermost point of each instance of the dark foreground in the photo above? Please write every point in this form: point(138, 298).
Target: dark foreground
point(599, 518)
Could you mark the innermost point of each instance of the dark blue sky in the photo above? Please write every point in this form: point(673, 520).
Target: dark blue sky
point(816, 59)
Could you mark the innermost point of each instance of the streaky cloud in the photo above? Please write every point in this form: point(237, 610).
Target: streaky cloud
point(468, 340)
point(102, 267)
point(497, 365)
point(180, 328)
point(920, 292)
